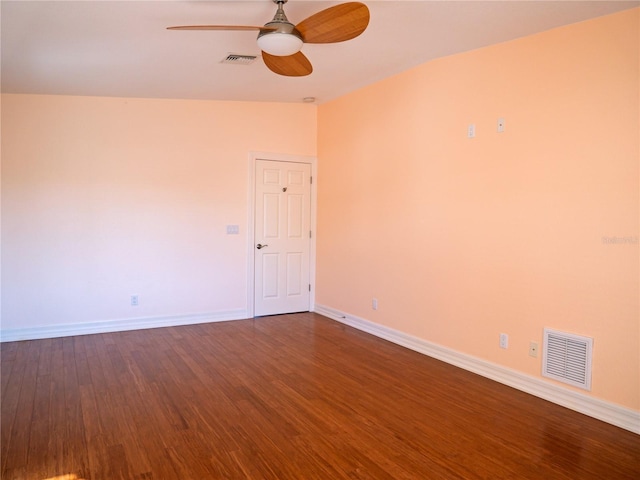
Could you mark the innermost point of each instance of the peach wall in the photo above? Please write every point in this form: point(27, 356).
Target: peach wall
point(461, 239)
point(103, 198)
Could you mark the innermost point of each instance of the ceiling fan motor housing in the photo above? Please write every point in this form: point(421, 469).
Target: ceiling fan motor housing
point(281, 27)
point(285, 39)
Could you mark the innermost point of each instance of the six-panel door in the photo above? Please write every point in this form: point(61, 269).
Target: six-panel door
point(282, 237)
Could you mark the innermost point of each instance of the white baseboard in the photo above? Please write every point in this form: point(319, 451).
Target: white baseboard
point(55, 331)
point(608, 412)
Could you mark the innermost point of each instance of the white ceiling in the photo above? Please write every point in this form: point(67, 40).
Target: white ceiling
point(122, 48)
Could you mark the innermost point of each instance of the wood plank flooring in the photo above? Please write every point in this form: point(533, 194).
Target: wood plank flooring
point(285, 397)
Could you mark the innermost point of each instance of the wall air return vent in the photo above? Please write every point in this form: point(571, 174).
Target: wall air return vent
point(239, 59)
point(567, 358)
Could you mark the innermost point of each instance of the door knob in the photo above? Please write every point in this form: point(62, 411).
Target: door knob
point(259, 246)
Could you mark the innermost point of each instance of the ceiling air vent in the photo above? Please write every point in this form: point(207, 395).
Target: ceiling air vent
point(239, 59)
point(567, 358)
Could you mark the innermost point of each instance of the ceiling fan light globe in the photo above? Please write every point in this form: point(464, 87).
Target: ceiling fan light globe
point(280, 44)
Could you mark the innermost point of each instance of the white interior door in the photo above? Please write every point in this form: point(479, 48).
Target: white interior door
point(282, 237)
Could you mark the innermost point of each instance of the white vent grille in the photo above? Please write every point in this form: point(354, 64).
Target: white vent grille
point(567, 358)
point(239, 59)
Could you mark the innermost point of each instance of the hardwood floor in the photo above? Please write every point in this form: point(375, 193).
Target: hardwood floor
point(286, 397)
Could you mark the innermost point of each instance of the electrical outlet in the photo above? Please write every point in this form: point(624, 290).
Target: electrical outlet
point(533, 349)
point(374, 303)
point(504, 340)
point(134, 300)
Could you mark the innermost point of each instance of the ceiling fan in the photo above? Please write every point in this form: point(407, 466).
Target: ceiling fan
point(281, 40)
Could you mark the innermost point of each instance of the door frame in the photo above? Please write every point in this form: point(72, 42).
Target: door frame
point(251, 251)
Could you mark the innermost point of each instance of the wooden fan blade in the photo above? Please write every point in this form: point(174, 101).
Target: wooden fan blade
point(335, 24)
point(219, 27)
point(296, 65)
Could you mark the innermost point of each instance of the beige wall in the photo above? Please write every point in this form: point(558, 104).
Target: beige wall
point(461, 239)
point(103, 198)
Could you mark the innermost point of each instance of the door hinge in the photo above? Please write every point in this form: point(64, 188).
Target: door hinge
point(311, 179)
point(309, 233)
point(309, 287)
